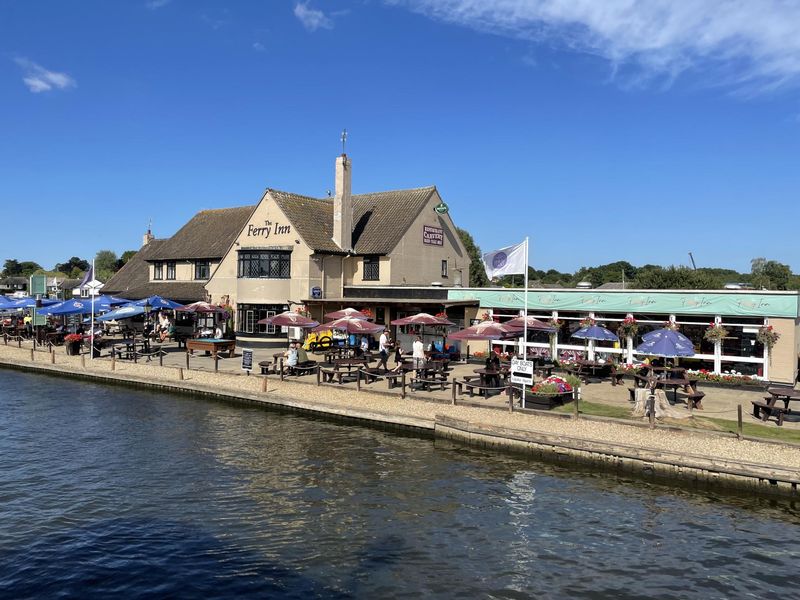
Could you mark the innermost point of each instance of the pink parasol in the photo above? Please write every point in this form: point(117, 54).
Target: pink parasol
point(485, 330)
point(289, 319)
point(202, 307)
point(350, 325)
point(422, 319)
point(350, 313)
point(533, 324)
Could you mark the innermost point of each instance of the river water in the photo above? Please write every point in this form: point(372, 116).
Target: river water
point(108, 491)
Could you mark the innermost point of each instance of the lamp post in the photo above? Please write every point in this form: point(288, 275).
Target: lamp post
point(147, 308)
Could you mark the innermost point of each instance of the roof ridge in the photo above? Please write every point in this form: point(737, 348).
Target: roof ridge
point(423, 188)
point(205, 210)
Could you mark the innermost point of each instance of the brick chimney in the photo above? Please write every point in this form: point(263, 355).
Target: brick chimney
point(343, 205)
point(147, 237)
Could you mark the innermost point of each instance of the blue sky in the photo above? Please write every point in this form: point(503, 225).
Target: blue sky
point(603, 131)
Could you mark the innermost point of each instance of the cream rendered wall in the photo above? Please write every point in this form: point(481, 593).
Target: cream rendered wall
point(262, 231)
point(416, 263)
point(783, 362)
point(355, 271)
point(184, 270)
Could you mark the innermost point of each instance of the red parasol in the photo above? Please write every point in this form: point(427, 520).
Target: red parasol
point(202, 307)
point(289, 319)
point(422, 319)
point(534, 324)
point(485, 330)
point(350, 313)
point(350, 325)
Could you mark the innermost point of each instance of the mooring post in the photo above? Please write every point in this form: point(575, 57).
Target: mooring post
point(403, 383)
point(83, 361)
point(454, 393)
point(52, 357)
point(575, 396)
point(180, 373)
point(216, 362)
point(739, 421)
point(19, 341)
point(113, 360)
point(32, 353)
point(264, 383)
point(160, 358)
point(651, 410)
point(5, 338)
point(358, 380)
point(280, 366)
point(187, 360)
point(318, 375)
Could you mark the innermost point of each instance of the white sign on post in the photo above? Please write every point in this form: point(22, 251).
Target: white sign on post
point(521, 371)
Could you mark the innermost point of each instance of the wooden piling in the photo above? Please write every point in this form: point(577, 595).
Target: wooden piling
point(403, 383)
point(358, 380)
point(180, 373)
point(160, 358)
point(32, 351)
point(83, 361)
point(52, 357)
point(113, 360)
point(264, 383)
point(739, 421)
point(575, 397)
point(216, 362)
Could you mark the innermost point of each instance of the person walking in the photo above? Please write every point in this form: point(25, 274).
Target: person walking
point(383, 348)
point(418, 352)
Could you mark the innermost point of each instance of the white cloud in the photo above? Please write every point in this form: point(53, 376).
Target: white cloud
point(258, 47)
point(751, 45)
point(156, 4)
point(38, 79)
point(312, 18)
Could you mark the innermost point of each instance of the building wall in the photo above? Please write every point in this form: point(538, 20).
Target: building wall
point(225, 283)
point(354, 271)
point(783, 362)
point(417, 263)
point(184, 270)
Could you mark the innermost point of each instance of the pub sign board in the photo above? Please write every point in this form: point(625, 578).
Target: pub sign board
point(433, 236)
point(247, 360)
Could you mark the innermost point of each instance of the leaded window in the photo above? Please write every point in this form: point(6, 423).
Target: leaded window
point(269, 264)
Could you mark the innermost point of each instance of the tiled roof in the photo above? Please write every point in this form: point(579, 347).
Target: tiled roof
point(379, 219)
point(134, 273)
point(209, 234)
point(184, 292)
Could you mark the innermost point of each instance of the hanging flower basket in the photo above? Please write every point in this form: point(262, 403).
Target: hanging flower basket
point(671, 325)
point(588, 322)
point(715, 332)
point(628, 328)
point(768, 336)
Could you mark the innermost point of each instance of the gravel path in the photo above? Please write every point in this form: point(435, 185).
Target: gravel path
point(697, 443)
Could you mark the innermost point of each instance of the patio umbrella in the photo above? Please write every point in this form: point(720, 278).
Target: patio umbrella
point(349, 313)
point(28, 303)
point(158, 303)
point(595, 333)
point(77, 306)
point(202, 307)
point(350, 325)
point(123, 312)
point(289, 319)
point(422, 319)
point(666, 343)
point(485, 330)
point(532, 322)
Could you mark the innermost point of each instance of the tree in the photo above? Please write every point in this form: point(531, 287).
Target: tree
point(126, 256)
point(105, 264)
point(477, 274)
point(770, 274)
point(72, 264)
point(11, 268)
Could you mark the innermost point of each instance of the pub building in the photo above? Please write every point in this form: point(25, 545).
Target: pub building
point(392, 253)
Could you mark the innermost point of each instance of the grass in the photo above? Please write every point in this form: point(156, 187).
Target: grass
point(768, 432)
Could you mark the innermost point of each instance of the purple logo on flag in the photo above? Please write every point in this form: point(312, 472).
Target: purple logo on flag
point(499, 260)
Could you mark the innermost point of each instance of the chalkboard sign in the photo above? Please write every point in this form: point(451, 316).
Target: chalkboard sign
point(247, 360)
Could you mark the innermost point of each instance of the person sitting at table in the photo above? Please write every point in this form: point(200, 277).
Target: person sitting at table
point(291, 355)
point(218, 331)
point(493, 362)
point(167, 330)
point(364, 346)
point(302, 356)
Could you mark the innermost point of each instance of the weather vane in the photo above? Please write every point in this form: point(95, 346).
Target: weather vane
point(344, 140)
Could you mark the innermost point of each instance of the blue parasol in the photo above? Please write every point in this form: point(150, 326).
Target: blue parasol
point(597, 333)
point(158, 303)
point(666, 343)
point(123, 312)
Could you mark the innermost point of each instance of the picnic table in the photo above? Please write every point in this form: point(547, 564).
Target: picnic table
point(343, 367)
point(767, 408)
point(128, 348)
point(212, 345)
point(492, 375)
point(675, 383)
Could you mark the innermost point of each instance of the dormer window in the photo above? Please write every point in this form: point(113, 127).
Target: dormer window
point(158, 271)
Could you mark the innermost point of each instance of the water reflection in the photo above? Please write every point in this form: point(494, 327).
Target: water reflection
point(224, 500)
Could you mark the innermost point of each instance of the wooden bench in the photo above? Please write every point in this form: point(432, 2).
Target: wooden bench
point(429, 382)
point(763, 411)
point(328, 375)
point(632, 392)
point(303, 369)
point(475, 384)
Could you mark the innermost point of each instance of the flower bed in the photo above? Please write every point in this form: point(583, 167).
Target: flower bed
point(728, 378)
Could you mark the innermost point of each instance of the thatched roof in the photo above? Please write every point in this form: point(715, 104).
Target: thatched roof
point(134, 273)
point(184, 292)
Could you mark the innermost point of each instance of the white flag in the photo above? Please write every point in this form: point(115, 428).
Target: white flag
point(506, 261)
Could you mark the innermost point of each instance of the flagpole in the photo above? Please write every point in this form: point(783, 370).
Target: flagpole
point(91, 337)
point(525, 316)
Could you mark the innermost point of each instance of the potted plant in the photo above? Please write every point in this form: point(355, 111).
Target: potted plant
point(715, 332)
point(628, 328)
point(768, 336)
point(72, 343)
point(551, 392)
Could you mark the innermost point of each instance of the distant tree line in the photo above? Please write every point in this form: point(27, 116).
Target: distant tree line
point(106, 264)
point(764, 274)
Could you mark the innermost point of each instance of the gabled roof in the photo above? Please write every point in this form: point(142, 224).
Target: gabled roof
point(209, 234)
point(379, 219)
point(134, 273)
